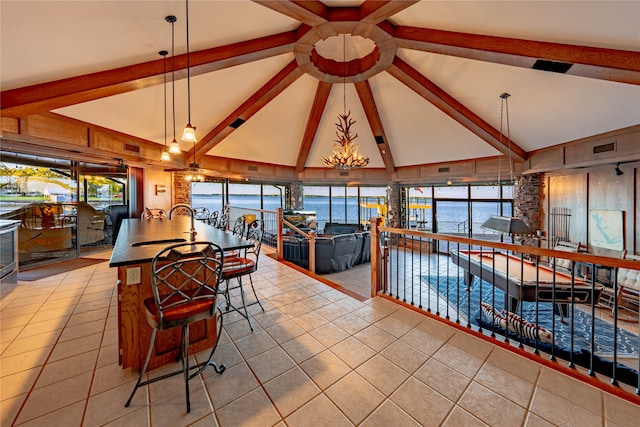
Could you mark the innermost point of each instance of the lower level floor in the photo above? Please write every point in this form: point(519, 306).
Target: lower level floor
point(317, 357)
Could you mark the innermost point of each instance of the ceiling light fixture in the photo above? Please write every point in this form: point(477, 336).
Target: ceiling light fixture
point(165, 157)
point(189, 134)
point(345, 153)
point(506, 224)
point(174, 147)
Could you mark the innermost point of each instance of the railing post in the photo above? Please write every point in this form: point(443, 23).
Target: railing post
point(312, 251)
point(280, 246)
point(375, 255)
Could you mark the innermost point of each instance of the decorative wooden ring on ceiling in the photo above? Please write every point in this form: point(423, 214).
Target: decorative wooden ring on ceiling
point(356, 70)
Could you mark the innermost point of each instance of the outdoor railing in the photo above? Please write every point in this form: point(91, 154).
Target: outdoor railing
point(518, 295)
point(269, 221)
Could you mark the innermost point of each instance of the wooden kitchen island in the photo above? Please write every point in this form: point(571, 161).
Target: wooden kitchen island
point(137, 243)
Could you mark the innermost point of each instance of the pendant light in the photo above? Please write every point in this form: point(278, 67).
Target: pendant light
point(174, 147)
point(189, 134)
point(506, 224)
point(345, 153)
point(165, 157)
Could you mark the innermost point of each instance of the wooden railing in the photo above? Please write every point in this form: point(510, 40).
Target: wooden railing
point(409, 267)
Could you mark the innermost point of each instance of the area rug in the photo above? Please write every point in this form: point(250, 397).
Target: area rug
point(56, 268)
point(468, 302)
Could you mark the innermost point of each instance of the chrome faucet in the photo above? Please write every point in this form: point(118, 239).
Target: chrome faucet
point(192, 231)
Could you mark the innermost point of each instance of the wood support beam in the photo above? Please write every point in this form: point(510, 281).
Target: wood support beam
point(43, 97)
point(598, 63)
point(317, 109)
point(311, 13)
point(370, 109)
point(374, 11)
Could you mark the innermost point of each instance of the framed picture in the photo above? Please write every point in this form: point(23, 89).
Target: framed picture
point(161, 189)
point(606, 229)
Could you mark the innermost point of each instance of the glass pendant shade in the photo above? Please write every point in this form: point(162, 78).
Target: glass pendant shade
point(189, 134)
point(165, 157)
point(174, 147)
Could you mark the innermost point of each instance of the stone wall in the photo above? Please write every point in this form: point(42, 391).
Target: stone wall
point(527, 202)
point(393, 203)
point(297, 196)
point(181, 188)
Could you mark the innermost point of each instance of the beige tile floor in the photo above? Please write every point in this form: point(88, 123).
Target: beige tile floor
point(317, 357)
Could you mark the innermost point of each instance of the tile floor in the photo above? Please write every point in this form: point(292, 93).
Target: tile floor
point(317, 357)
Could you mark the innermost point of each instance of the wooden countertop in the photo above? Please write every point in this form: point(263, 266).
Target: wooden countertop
point(128, 249)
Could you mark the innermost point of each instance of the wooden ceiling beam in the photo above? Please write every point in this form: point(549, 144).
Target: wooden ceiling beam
point(454, 109)
point(247, 109)
point(593, 62)
point(374, 11)
point(370, 109)
point(317, 109)
point(308, 12)
point(43, 97)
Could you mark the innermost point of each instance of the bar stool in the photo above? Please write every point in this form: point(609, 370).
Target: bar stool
point(236, 267)
point(185, 280)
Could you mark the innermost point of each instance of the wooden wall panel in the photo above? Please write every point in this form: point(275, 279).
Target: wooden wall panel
point(152, 198)
point(45, 127)
point(591, 151)
point(597, 188)
point(107, 142)
point(547, 159)
point(8, 124)
point(569, 191)
point(609, 191)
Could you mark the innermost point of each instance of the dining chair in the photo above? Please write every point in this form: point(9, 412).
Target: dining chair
point(201, 214)
point(185, 281)
point(238, 226)
point(213, 218)
point(153, 213)
point(237, 267)
point(223, 221)
point(180, 209)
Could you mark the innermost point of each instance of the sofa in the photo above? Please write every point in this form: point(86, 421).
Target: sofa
point(333, 228)
point(333, 253)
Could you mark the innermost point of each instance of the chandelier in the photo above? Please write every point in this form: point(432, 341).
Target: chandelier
point(345, 152)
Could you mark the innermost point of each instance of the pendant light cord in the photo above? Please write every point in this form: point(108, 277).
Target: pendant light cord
point(188, 74)
point(506, 103)
point(173, 78)
point(344, 74)
point(164, 55)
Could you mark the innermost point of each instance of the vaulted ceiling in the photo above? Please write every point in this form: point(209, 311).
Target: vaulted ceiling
point(422, 79)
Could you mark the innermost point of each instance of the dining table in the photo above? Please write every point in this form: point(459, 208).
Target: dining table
point(138, 242)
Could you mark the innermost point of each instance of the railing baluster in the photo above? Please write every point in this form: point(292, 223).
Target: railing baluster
point(420, 273)
point(592, 342)
point(614, 371)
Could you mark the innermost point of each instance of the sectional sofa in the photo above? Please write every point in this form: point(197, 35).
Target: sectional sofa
point(333, 252)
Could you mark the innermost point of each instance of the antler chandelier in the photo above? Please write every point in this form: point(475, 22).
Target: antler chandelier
point(345, 152)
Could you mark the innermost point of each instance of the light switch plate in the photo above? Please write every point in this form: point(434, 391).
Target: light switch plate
point(133, 275)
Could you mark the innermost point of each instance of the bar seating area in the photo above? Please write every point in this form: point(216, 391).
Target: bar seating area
point(379, 213)
point(185, 283)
